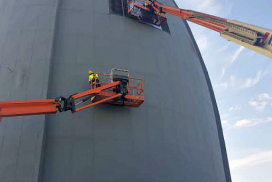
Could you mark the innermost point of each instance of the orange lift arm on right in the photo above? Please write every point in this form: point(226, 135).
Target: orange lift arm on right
point(250, 36)
point(51, 106)
point(191, 16)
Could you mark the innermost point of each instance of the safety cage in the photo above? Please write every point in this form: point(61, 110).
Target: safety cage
point(132, 89)
point(145, 13)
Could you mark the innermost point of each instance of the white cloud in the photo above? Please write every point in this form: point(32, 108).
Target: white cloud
point(224, 115)
point(235, 108)
point(252, 160)
point(224, 85)
point(228, 84)
point(232, 78)
point(223, 72)
point(261, 103)
point(258, 105)
point(264, 96)
point(202, 43)
point(242, 123)
point(250, 82)
point(233, 82)
point(226, 124)
point(237, 53)
point(251, 122)
point(214, 7)
point(224, 47)
point(237, 83)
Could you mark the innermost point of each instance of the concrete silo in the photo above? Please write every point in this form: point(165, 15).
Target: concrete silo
point(47, 48)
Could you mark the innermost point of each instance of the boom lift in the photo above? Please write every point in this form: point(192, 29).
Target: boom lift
point(116, 88)
point(121, 89)
point(252, 37)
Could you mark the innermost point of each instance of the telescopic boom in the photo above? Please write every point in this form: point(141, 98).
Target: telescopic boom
point(116, 88)
point(250, 36)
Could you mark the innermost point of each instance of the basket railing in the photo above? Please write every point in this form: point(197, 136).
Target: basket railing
point(135, 85)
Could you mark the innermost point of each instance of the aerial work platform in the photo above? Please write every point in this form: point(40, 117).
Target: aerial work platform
point(252, 37)
point(116, 88)
point(132, 89)
point(145, 13)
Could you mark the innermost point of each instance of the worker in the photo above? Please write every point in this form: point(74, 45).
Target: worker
point(94, 79)
point(151, 7)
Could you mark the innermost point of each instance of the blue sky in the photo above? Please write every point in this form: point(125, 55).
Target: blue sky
point(241, 80)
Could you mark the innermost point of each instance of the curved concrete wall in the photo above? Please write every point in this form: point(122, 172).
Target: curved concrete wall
point(47, 48)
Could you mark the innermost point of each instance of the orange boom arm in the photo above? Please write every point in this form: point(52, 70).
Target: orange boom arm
point(113, 89)
point(32, 107)
point(51, 106)
point(250, 36)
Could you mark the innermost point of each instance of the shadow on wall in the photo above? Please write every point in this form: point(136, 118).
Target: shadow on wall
point(104, 108)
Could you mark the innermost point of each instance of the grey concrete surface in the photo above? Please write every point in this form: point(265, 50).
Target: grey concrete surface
point(47, 48)
point(26, 39)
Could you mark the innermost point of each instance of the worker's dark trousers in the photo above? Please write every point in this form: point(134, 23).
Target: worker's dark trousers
point(97, 84)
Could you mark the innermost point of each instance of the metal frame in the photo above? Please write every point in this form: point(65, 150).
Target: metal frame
point(135, 88)
point(101, 92)
point(144, 10)
point(249, 36)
